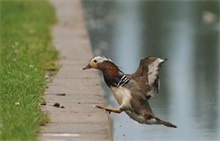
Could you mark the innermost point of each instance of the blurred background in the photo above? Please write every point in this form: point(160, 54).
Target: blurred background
point(185, 32)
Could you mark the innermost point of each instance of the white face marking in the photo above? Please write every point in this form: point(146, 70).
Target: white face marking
point(98, 59)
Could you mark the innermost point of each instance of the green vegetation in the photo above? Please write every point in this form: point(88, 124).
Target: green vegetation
point(25, 52)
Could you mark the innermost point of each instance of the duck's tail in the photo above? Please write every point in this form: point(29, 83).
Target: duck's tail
point(167, 124)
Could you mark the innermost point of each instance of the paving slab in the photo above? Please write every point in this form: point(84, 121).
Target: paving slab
point(77, 98)
point(77, 128)
point(73, 93)
point(75, 137)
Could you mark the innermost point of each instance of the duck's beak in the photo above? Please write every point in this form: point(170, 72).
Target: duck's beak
point(87, 67)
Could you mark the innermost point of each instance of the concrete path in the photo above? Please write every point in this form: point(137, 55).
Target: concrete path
point(75, 92)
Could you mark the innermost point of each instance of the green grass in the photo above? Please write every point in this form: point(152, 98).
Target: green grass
point(25, 51)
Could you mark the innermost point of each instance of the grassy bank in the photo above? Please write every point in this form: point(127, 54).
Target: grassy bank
point(25, 52)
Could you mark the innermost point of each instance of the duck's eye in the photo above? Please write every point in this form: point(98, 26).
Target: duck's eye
point(95, 61)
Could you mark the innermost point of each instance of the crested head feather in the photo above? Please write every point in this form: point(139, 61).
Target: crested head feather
point(100, 59)
point(105, 64)
point(111, 72)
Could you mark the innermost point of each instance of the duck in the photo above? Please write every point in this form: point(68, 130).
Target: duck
point(132, 91)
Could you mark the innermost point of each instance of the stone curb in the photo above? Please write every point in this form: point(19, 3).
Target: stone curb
point(74, 91)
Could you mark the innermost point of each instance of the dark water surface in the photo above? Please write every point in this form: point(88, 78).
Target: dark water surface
point(185, 32)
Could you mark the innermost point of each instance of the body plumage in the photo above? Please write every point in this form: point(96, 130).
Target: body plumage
point(132, 91)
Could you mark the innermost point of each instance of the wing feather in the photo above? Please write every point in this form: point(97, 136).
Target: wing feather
point(147, 75)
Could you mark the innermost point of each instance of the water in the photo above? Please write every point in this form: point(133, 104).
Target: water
point(185, 32)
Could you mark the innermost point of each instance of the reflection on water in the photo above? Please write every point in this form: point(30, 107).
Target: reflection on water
point(187, 33)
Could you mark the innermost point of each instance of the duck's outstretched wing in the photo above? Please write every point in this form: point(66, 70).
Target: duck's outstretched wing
point(147, 75)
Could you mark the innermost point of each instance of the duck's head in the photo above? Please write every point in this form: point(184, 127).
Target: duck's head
point(96, 62)
point(105, 65)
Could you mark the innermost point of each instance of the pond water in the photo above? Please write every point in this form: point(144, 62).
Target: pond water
point(185, 32)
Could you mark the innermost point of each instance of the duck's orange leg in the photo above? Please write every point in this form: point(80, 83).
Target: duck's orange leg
point(109, 109)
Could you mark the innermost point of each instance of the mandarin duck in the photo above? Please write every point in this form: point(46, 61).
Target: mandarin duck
point(132, 91)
